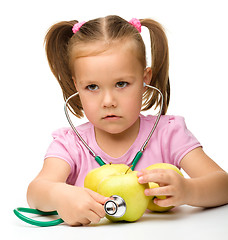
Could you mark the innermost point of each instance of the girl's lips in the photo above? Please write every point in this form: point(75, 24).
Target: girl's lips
point(111, 117)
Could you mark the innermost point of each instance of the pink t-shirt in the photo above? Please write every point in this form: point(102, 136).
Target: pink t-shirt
point(170, 142)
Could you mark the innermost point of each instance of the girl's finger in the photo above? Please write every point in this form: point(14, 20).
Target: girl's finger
point(160, 191)
point(168, 202)
point(93, 217)
point(161, 176)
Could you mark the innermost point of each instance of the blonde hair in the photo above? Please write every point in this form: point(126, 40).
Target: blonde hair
point(63, 47)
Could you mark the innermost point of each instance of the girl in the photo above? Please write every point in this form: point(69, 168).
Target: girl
point(104, 60)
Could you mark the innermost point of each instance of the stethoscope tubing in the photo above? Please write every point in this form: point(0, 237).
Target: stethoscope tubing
point(157, 119)
point(38, 212)
point(73, 127)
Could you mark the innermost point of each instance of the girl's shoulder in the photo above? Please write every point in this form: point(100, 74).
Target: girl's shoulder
point(69, 132)
point(67, 137)
point(172, 137)
point(168, 126)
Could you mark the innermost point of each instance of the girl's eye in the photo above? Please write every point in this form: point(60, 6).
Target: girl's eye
point(121, 84)
point(92, 87)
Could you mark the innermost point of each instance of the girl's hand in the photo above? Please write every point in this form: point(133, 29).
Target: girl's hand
point(77, 205)
point(172, 185)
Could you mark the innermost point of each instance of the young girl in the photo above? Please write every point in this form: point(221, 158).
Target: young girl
point(104, 60)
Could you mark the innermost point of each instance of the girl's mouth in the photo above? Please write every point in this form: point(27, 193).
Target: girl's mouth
point(111, 117)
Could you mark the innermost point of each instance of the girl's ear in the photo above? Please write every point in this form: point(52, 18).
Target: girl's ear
point(147, 75)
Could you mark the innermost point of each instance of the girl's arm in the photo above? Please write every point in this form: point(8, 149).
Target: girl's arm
point(75, 205)
point(207, 187)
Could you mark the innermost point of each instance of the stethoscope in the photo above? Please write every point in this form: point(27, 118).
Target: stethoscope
point(116, 206)
point(139, 153)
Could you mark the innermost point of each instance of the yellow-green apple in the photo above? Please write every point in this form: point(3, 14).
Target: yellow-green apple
point(152, 206)
point(126, 186)
point(94, 177)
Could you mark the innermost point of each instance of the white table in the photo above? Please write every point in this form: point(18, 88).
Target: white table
point(184, 222)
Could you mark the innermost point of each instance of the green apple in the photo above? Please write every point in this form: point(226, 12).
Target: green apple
point(127, 187)
point(96, 175)
point(152, 206)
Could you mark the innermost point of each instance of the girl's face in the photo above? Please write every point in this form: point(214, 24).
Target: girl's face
point(110, 87)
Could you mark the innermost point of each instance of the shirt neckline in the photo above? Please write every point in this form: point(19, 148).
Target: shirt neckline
point(124, 158)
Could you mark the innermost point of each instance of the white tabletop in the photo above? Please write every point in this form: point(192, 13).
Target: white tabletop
point(183, 222)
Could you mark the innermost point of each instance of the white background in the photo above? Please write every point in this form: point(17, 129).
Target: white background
point(31, 99)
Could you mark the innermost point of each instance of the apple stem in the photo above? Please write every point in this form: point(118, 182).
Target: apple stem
point(128, 169)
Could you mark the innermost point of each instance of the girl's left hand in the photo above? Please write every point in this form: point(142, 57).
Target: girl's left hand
point(172, 185)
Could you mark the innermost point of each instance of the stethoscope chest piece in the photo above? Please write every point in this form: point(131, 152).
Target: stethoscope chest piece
point(116, 207)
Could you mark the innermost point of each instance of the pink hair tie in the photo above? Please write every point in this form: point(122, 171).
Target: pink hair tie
point(136, 23)
point(77, 26)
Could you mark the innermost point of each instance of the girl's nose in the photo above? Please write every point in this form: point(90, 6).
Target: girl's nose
point(109, 100)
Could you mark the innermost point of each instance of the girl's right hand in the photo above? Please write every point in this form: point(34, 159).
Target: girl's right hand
point(78, 206)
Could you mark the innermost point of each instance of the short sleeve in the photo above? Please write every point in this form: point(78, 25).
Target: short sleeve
point(178, 140)
point(61, 147)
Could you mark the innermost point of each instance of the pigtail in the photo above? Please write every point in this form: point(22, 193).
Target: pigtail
point(56, 46)
point(159, 65)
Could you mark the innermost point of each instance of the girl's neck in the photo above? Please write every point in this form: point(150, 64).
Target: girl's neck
point(116, 145)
